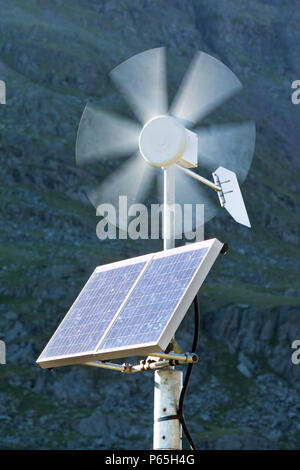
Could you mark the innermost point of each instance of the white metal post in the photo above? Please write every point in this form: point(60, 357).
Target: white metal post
point(167, 388)
point(169, 213)
point(167, 434)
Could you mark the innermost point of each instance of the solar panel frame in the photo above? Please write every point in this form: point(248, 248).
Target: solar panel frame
point(213, 246)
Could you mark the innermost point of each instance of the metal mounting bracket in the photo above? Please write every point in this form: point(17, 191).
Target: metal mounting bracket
point(151, 363)
point(220, 193)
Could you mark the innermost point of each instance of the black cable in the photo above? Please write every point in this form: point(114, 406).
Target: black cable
point(187, 378)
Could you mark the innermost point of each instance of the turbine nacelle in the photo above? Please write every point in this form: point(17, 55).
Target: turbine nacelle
point(164, 141)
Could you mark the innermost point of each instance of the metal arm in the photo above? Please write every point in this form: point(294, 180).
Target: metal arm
point(129, 368)
point(147, 364)
point(208, 183)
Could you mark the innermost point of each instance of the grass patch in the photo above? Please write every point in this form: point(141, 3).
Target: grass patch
point(244, 293)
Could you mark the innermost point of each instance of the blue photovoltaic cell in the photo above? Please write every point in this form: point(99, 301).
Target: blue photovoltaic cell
point(93, 310)
point(153, 300)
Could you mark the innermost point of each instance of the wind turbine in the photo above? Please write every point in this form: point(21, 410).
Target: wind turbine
point(168, 140)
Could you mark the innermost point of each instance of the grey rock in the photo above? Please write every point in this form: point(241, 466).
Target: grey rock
point(244, 370)
point(245, 365)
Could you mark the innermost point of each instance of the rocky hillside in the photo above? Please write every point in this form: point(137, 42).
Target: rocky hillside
point(54, 56)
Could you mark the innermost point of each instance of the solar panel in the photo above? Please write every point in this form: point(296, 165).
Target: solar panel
point(132, 307)
point(153, 300)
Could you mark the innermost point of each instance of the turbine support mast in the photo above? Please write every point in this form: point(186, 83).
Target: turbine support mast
point(167, 433)
point(168, 213)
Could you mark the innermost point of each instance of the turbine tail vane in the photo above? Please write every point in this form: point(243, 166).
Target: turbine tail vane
point(230, 196)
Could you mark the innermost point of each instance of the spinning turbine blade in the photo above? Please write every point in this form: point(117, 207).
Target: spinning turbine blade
point(189, 191)
point(133, 179)
point(142, 80)
point(102, 134)
point(207, 83)
point(228, 145)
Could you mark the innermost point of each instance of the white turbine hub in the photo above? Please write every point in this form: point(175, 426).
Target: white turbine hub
point(162, 141)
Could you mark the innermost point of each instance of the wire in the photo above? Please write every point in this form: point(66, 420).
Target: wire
point(187, 378)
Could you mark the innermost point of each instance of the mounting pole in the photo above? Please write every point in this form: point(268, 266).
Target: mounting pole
point(167, 433)
point(169, 213)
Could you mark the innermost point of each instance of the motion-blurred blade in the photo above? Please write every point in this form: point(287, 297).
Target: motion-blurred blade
point(142, 80)
point(133, 180)
point(102, 134)
point(228, 145)
point(207, 84)
point(189, 192)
